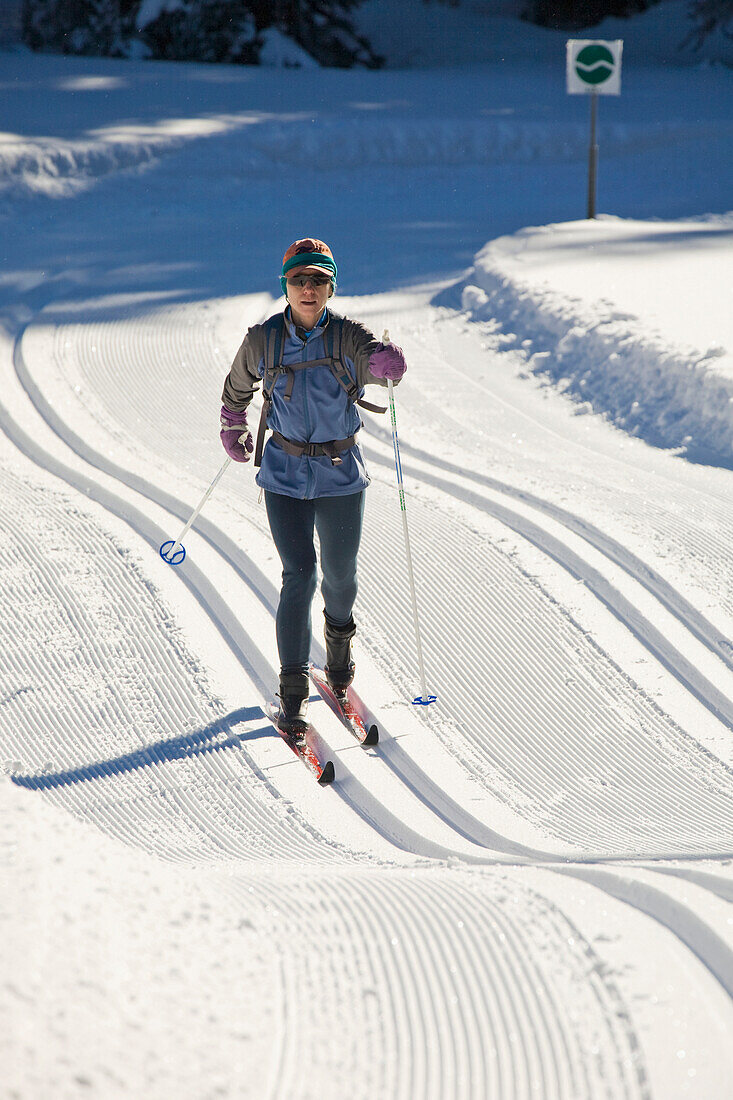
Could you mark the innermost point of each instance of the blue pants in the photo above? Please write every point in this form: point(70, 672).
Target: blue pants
point(338, 521)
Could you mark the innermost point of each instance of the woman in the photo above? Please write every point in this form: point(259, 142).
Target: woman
point(313, 365)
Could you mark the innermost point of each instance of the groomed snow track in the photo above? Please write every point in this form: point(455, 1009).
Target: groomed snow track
point(465, 881)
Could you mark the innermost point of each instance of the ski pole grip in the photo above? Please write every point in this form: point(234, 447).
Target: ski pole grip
point(385, 337)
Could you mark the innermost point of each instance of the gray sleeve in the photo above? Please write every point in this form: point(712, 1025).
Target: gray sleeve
point(244, 377)
point(358, 343)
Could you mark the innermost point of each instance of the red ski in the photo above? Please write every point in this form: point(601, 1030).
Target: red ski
point(322, 770)
point(346, 707)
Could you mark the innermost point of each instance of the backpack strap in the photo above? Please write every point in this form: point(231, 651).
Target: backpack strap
point(332, 336)
point(334, 448)
point(274, 350)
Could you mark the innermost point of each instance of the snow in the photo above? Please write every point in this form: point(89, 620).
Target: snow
point(633, 319)
point(524, 890)
point(279, 50)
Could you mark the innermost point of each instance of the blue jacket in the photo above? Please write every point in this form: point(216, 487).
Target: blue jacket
point(318, 411)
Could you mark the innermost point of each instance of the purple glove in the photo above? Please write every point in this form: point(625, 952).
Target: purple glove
point(387, 361)
point(235, 436)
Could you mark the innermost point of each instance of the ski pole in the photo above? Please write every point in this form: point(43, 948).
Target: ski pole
point(423, 700)
point(173, 551)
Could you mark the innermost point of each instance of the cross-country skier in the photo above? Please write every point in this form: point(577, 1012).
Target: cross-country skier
point(313, 366)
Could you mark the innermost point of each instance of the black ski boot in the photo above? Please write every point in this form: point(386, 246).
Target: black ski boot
point(339, 667)
point(292, 716)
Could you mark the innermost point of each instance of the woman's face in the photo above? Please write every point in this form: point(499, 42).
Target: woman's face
point(307, 302)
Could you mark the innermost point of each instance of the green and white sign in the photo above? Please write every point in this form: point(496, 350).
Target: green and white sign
point(594, 66)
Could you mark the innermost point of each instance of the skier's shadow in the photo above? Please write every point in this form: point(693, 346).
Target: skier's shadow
point(211, 738)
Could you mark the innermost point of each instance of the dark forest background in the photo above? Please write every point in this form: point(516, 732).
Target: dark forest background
point(236, 30)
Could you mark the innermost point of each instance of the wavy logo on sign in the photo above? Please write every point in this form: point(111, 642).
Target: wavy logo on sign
point(594, 64)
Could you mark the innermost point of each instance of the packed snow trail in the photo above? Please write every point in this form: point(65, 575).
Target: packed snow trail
point(645, 800)
point(195, 771)
point(192, 798)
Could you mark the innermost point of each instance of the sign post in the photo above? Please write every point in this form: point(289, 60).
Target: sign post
point(593, 156)
point(593, 68)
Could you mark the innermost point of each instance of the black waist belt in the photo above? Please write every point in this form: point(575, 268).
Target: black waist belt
point(333, 448)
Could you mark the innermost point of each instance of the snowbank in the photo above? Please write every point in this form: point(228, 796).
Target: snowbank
point(632, 319)
point(367, 132)
point(57, 168)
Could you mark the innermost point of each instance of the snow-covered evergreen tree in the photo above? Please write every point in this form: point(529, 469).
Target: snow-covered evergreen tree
point(324, 30)
point(576, 14)
point(709, 16)
point(79, 26)
point(196, 30)
point(199, 30)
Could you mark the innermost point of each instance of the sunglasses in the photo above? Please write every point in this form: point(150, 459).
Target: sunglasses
point(302, 280)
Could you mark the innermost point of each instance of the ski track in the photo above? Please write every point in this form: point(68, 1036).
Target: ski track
point(90, 348)
point(687, 528)
point(526, 639)
point(129, 736)
point(449, 1035)
point(88, 714)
